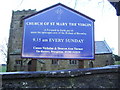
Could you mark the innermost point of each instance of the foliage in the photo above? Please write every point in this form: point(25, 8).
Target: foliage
point(117, 58)
point(3, 50)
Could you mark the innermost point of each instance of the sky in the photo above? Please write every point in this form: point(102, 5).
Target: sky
point(106, 21)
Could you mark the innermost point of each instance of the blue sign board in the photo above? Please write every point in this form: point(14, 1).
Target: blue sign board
point(58, 32)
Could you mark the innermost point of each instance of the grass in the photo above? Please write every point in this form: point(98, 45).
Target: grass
point(2, 68)
point(117, 62)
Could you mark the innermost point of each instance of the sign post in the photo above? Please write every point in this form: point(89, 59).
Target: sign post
point(58, 32)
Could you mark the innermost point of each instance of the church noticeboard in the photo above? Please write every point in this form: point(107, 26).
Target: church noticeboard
point(58, 32)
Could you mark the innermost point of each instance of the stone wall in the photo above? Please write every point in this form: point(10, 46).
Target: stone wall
point(101, 77)
point(101, 60)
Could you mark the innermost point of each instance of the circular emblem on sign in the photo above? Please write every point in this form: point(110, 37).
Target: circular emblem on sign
point(59, 11)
